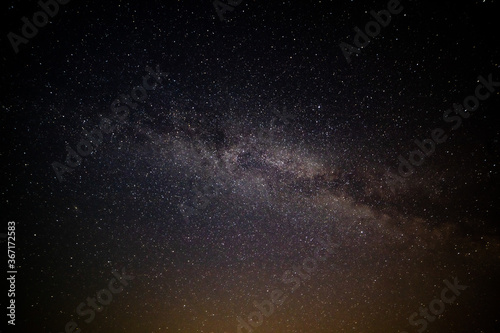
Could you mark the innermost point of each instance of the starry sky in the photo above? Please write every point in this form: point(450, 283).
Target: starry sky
point(258, 141)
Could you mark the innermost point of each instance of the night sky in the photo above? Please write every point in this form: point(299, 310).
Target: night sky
point(252, 174)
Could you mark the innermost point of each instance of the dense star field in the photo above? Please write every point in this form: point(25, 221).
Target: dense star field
point(251, 166)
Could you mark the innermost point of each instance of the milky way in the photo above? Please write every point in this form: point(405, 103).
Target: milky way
point(256, 187)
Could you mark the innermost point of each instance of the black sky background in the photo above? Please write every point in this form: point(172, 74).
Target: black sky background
point(120, 207)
